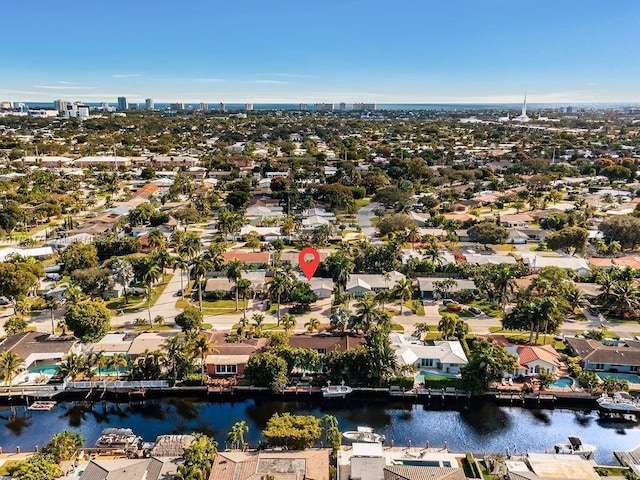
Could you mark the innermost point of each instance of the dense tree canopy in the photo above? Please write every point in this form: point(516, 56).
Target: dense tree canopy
point(487, 361)
point(89, 320)
point(79, 255)
point(487, 232)
point(295, 432)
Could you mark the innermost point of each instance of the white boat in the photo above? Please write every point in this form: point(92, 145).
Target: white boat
point(44, 406)
point(336, 390)
point(574, 446)
point(121, 438)
point(365, 435)
point(620, 402)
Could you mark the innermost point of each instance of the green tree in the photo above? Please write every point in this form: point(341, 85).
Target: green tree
point(303, 296)
point(295, 432)
point(9, 367)
point(267, 370)
point(447, 325)
point(622, 228)
point(487, 362)
point(93, 281)
point(280, 284)
point(63, 445)
point(234, 271)
point(118, 360)
point(570, 239)
point(198, 458)
point(15, 324)
point(16, 280)
point(72, 366)
point(37, 467)
point(381, 358)
point(339, 265)
point(189, 320)
point(288, 322)
point(235, 437)
point(397, 222)
point(79, 255)
point(404, 291)
point(202, 346)
point(200, 266)
point(52, 305)
point(89, 320)
point(487, 232)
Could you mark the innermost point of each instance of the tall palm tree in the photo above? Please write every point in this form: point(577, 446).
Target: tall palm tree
point(279, 285)
point(149, 275)
point(245, 289)
point(367, 313)
point(181, 263)
point(433, 252)
point(100, 360)
point(163, 259)
point(118, 360)
point(52, 305)
point(447, 325)
point(72, 365)
point(404, 291)
point(234, 271)
point(10, 364)
point(156, 240)
point(202, 346)
point(505, 286)
point(190, 246)
point(123, 273)
point(235, 438)
point(340, 266)
point(257, 318)
point(312, 324)
point(200, 266)
point(174, 347)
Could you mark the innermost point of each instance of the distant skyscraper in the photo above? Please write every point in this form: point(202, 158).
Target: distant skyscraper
point(248, 107)
point(364, 106)
point(203, 106)
point(60, 106)
point(523, 116)
point(221, 107)
point(122, 103)
point(343, 106)
point(133, 106)
point(148, 103)
point(176, 106)
point(303, 106)
point(324, 107)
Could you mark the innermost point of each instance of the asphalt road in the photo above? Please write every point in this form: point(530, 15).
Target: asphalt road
point(364, 217)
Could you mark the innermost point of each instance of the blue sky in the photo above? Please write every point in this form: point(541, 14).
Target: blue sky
point(449, 51)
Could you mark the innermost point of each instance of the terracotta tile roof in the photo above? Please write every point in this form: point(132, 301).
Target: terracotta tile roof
point(409, 472)
point(339, 342)
point(247, 257)
point(546, 353)
point(312, 464)
point(248, 347)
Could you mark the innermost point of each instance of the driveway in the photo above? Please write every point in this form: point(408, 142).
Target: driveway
point(364, 216)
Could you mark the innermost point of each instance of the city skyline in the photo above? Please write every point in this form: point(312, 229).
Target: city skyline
point(354, 51)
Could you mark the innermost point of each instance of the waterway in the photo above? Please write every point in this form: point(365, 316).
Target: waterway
point(480, 428)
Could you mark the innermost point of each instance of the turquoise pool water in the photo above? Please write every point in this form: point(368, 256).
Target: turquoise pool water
point(49, 370)
point(109, 371)
point(423, 374)
point(629, 377)
point(562, 382)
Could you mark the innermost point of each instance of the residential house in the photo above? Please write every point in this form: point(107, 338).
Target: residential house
point(429, 291)
point(148, 342)
point(131, 469)
point(360, 283)
point(325, 342)
point(576, 264)
point(534, 359)
point(310, 464)
point(415, 472)
point(251, 259)
point(231, 358)
point(551, 467)
point(618, 262)
point(37, 348)
point(62, 243)
point(223, 284)
point(292, 256)
point(516, 220)
point(491, 259)
point(38, 253)
point(323, 287)
point(441, 357)
point(617, 358)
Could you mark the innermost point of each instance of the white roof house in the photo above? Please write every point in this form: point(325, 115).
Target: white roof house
point(578, 265)
point(361, 283)
point(443, 356)
point(38, 252)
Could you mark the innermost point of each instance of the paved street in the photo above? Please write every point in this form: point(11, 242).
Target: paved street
point(364, 216)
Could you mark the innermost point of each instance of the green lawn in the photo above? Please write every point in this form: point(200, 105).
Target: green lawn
point(487, 308)
point(517, 336)
point(155, 328)
point(461, 313)
point(362, 202)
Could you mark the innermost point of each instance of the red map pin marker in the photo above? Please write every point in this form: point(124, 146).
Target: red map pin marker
point(308, 265)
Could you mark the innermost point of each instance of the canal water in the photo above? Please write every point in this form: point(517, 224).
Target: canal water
point(480, 428)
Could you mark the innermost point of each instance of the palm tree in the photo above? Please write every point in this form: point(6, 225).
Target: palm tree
point(235, 438)
point(383, 296)
point(245, 289)
point(339, 319)
point(279, 285)
point(421, 328)
point(10, 364)
point(118, 360)
point(201, 346)
point(447, 325)
point(368, 313)
point(433, 252)
point(174, 347)
point(183, 264)
point(163, 259)
point(340, 266)
point(191, 245)
point(288, 322)
point(73, 294)
point(312, 324)
point(404, 291)
point(72, 365)
point(123, 273)
point(257, 318)
point(100, 360)
point(234, 273)
point(200, 266)
point(52, 305)
point(505, 286)
point(149, 275)
point(156, 240)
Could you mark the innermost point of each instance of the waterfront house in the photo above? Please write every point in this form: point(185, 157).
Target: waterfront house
point(534, 359)
point(310, 464)
point(427, 287)
point(131, 469)
point(619, 357)
point(148, 342)
point(39, 349)
point(551, 467)
point(230, 358)
point(446, 357)
point(325, 342)
point(360, 283)
point(111, 343)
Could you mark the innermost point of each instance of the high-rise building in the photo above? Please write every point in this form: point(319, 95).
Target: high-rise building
point(122, 103)
point(77, 110)
point(176, 106)
point(133, 106)
point(6, 105)
point(523, 117)
point(324, 107)
point(343, 106)
point(203, 106)
point(148, 103)
point(303, 106)
point(221, 107)
point(364, 106)
point(60, 105)
point(248, 107)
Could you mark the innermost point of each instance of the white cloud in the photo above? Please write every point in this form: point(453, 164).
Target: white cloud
point(62, 87)
point(274, 82)
point(126, 75)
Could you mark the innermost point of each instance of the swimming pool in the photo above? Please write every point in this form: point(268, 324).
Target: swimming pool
point(562, 382)
point(49, 370)
point(629, 377)
point(433, 376)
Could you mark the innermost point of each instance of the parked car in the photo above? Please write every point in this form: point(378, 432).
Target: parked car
point(53, 276)
point(448, 301)
point(4, 301)
point(475, 311)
